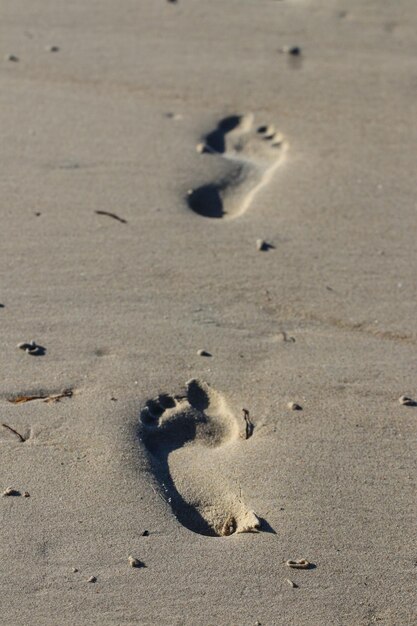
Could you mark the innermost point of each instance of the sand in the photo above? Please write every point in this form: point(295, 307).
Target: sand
point(146, 148)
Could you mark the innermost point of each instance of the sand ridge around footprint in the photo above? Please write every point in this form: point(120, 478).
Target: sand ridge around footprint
point(255, 151)
point(184, 436)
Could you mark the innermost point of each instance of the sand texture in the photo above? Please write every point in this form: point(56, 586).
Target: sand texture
point(208, 312)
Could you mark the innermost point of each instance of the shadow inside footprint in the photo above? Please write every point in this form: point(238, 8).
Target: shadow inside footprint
point(206, 201)
point(200, 417)
point(215, 141)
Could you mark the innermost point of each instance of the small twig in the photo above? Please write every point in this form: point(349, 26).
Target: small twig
point(22, 439)
point(248, 425)
point(66, 393)
point(113, 215)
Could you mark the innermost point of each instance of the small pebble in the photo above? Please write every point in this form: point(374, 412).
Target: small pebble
point(26, 494)
point(294, 406)
point(203, 353)
point(145, 533)
point(12, 57)
point(52, 48)
point(75, 570)
point(292, 583)
point(263, 245)
point(295, 51)
point(174, 116)
point(11, 492)
point(92, 579)
point(134, 562)
point(407, 401)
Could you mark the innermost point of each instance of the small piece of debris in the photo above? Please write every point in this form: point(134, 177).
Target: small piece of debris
point(75, 570)
point(11, 492)
point(282, 336)
point(203, 353)
point(12, 57)
point(295, 51)
point(264, 246)
point(292, 583)
point(248, 425)
point(200, 147)
point(52, 48)
point(135, 562)
point(145, 533)
point(22, 439)
point(92, 579)
point(407, 401)
point(26, 494)
point(173, 116)
point(294, 406)
point(56, 397)
point(298, 564)
point(113, 215)
point(31, 347)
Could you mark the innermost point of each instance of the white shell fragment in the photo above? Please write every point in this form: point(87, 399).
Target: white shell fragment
point(29, 346)
point(298, 564)
point(294, 406)
point(9, 491)
point(203, 353)
point(407, 401)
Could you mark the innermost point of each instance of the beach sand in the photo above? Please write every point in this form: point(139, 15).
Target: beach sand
point(141, 163)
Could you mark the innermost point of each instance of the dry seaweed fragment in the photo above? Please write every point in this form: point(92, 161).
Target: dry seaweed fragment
point(22, 439)
point(56, 397)
point(113, 215)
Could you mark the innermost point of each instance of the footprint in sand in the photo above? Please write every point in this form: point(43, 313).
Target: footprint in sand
point(253, 151)
point(186, 437)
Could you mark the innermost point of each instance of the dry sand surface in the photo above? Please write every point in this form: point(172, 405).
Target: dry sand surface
point(175, 179)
